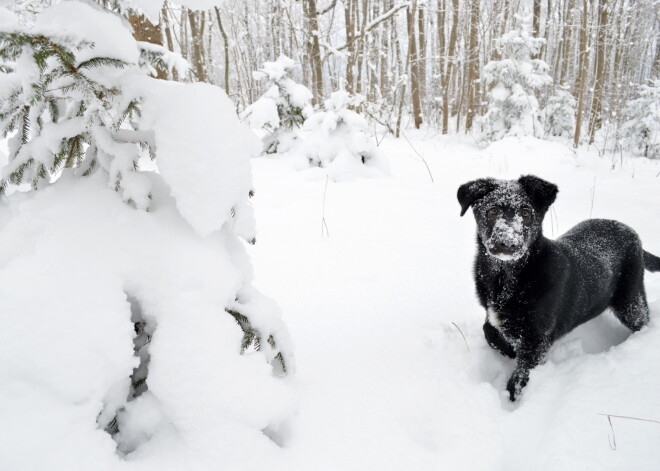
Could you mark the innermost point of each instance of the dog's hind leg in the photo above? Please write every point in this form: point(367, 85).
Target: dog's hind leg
point(629, 301)
point(497, 341)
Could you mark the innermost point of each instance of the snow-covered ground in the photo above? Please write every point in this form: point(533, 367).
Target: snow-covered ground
point(377, 306)
point(393, 372)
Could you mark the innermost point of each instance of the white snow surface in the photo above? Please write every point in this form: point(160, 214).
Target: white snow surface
point(385, 379)
point(378, 309)
point(71, 255)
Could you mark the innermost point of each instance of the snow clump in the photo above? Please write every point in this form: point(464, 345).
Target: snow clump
point(338, 140)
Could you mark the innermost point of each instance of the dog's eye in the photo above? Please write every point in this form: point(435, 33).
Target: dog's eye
point(525, 213)
point(494, 211)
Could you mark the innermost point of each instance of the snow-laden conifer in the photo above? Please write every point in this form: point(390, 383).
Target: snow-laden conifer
point(81, 113)
point(282, 109)
point(641, 130)
point(559, 114)
point(514, 82)
point(338, 139)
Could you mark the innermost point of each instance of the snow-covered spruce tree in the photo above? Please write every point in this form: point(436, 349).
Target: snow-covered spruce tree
point(282, 109)
point(75, 92)
point(60, 113)
point(514, 81)
point(64, 106)
point(641, 130)
point(559, 114)
point(338, 139)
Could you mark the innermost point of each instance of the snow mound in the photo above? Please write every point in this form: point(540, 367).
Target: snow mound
point(203, 152)
point(338, 140)
point(79, 267)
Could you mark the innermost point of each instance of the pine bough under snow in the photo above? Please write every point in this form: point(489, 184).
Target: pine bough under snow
point(559, 115)
point(282, 109)
point(143, 324)
point(513, 108)
point(641, 130)
point(338, 140)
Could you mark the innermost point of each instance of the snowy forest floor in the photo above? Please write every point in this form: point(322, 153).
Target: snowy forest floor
point(379, 304)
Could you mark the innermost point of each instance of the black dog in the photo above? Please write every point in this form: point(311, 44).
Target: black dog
point(536, 290)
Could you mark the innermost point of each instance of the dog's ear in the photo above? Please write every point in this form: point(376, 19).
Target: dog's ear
point(541, 192)
point(472, 191)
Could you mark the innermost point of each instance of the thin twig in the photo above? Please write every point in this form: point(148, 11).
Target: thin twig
point(464, 339)
point(324, 225)
point(632, 418)
point(420, 155)
point(612, 442)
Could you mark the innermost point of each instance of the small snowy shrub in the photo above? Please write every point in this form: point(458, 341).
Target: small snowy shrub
point(514, 81)
point(559, 114)
point(282, 109)
point(641, 130)
point(338, 139)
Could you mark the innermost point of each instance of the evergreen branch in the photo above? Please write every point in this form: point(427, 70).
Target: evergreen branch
point(101, 62)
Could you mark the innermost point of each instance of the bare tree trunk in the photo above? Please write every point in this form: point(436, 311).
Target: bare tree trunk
point(225, 42)
point(447, 76)
point(421, 51)
point(473, 65)
point(582, 74)
point(414, 65)
point(350, 44)
point(315, 52)
point(196, 31)
point(536, 23)
point(566, 43)
point(597, 103)
point(165, 18)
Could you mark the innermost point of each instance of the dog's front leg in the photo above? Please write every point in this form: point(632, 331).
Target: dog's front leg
point(529, 354)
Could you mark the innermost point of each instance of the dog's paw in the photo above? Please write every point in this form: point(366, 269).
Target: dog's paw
point(516, 383)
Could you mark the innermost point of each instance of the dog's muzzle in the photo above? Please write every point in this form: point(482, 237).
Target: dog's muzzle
point(507, 240)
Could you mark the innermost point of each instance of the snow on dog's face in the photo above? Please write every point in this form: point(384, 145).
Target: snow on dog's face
point(509, 213)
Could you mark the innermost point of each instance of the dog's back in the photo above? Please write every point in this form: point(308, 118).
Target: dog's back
point(607, 264)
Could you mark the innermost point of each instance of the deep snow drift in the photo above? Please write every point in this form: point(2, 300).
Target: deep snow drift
point(377, 308)
point(385, 379)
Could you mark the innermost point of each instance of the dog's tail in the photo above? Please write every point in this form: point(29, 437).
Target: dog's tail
point(651, 262)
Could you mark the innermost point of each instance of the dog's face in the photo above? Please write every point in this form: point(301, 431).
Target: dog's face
point(509, 213)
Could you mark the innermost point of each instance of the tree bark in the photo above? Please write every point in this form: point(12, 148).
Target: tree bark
point(350, 45)
point(536, 23)
point(449, 67)
point(473, 65)
point(414, 65)
point(196, 32)
point(597, 103)
point(421, 51)
point(165, 18)
point(144, 30)
point(225, 43)
point(315, 52)
point(581, 83)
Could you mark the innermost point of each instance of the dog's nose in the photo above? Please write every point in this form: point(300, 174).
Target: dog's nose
point(505, 245)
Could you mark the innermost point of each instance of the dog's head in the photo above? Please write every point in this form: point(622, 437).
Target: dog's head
point(509, 213)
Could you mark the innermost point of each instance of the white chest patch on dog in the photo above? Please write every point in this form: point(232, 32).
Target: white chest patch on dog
point(493, 317)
